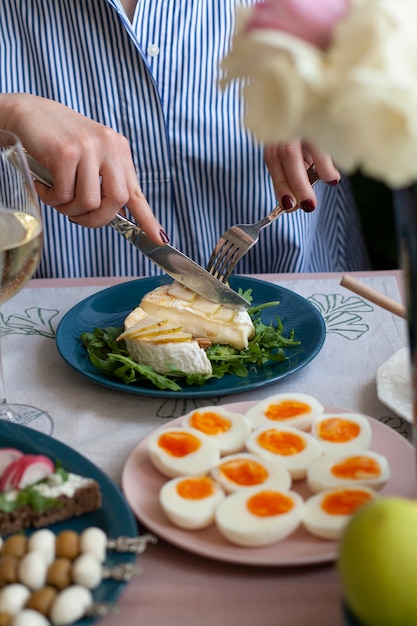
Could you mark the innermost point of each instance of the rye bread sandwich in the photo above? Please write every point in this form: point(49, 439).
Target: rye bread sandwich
point(36, 492)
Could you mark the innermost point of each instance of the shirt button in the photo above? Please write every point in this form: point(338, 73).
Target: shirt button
point(153, 50)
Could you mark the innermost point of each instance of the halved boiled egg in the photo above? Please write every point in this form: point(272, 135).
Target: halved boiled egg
point(327, 513)
point(295, 409)
point(259, 516)
point(191, 501)
point(363, 467)
point(243, 470)
point(227, 430)
point(343, 432)
point(293, 448)
point(182, 451)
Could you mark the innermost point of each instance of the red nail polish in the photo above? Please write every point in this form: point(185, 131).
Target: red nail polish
point(307, 206)
point(333, 183)
point(287, 203)
point(164, 236)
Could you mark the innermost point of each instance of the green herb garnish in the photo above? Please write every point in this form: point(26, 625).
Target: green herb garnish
point(28, 497)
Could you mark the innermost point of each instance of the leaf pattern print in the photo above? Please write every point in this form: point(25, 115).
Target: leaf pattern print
point(342, 315)
point(174, 408)
point(34, 321)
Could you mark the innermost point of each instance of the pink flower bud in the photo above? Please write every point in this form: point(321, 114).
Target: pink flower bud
point(310, 20)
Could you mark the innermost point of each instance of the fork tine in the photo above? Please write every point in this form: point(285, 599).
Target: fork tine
point(225, 265)
point(210, 265)
point(220, 261)
point(221, 253)
point(239, 253)
point(240, 238)
point(231, 247)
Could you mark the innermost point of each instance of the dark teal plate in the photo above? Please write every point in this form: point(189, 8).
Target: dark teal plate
point(109, 307)
point(114, 516)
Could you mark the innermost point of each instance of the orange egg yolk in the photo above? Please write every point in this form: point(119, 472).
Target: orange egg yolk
point(244, 472)
point(195, 488)
point(281, 442)
point(345, 501)
point(179, 443)
point(286, 409)
point(338, 430)
point(356, 467)
point(269, 503)
point(210, 423)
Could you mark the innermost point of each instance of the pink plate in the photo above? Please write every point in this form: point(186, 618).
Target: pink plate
point(141, 483)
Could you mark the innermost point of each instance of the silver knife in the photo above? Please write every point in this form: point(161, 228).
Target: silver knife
point(169, 259)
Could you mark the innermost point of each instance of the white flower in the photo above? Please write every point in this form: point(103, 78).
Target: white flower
point(357, 99)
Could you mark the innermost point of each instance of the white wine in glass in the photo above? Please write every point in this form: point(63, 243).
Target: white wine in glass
point(20, 249)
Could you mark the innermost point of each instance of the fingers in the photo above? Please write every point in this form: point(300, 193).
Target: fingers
point(324, 165)
point(94, 210)
point(91, 165)
point(76, 188)
point(90, 190)
point(288, 170)
point(288, 164)
point(140, 209)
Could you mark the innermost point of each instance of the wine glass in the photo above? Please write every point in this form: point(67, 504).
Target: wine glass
point(20, 249)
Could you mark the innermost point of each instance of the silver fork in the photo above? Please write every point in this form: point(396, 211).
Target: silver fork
point(240, 238)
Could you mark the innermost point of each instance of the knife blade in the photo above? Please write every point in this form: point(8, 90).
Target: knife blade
point(179, 266)
point(173, 262)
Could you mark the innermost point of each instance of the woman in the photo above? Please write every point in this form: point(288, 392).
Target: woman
point(150, 71)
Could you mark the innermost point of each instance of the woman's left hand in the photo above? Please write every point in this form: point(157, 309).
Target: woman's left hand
point(288, 164)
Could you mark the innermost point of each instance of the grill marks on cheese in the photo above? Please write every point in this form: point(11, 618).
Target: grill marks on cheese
point(165, 330)
point(199, 316)
point(163, 346)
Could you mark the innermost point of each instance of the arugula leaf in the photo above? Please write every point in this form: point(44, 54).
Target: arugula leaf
point(130, 368)
point(267, 345)
point(111, 357)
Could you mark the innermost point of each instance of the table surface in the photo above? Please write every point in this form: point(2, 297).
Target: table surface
point(177, 587)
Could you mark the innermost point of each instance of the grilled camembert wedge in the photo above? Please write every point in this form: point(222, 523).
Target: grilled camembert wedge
point(167, 329)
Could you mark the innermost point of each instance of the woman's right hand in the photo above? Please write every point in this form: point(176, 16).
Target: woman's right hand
point(91, 164)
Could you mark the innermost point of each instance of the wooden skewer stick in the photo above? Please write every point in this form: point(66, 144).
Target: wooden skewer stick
point(374, 296)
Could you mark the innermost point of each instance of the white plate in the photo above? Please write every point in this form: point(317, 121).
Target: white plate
point(393, 384)
point(141, 484)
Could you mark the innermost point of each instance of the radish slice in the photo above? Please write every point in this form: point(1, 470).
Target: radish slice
point(27, 470)
point(7, 456)
point(8, 477)
point(34, 468)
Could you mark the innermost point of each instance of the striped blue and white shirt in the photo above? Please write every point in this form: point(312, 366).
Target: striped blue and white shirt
point(156, 81)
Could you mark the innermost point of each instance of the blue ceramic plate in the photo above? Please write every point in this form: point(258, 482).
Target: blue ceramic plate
point(114, 516)
point(109, 307)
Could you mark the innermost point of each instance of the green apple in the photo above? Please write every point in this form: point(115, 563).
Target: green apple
point(378, 563)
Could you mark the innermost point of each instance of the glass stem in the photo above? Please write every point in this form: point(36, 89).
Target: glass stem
point(6, 413)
